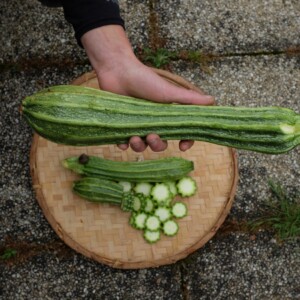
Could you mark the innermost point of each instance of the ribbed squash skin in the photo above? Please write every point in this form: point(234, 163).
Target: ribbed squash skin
point(156, 170)
point(96, 189)
point(103, 191)
point(82, 116)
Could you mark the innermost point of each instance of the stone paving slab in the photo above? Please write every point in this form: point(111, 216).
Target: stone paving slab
point(248, 269)
point(34, 31)
point(230, 26)
point(228, 266)
point(136, 17)
point(48, 277)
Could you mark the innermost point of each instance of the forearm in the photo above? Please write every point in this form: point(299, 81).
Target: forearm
point(86, 15)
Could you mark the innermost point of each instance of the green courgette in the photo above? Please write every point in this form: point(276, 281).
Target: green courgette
point(156, 170)
point(84, 116)
point(103, 191)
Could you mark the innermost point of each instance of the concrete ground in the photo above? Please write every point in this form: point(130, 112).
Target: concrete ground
point(258, 44)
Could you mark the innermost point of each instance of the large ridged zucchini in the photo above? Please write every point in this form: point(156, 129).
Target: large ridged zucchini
point(84, 116)
point(156, 170)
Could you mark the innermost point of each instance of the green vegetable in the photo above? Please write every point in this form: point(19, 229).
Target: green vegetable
point(156, 170)
point(143, 188)
point(170, 228)
point(161, 194)
point(76, 115)
point(151, 236)
point(138, 202)
point(152, 223)
point(179, 210)
point(172, 187)
point(186, 186)
point(127, 186)
point(103, 191)
point(163, 213)
point(139, 220)
point(149, 205)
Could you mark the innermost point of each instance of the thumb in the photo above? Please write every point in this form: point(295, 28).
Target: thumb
point(185, 96)
point(153, 87)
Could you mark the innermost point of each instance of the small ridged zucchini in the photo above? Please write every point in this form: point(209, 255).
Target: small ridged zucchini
point(82, 116)
point(103, 191)
point(156, 170)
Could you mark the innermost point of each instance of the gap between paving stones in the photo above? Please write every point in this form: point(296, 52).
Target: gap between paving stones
point(156, 41)
point(26, 250)
point(62, 63)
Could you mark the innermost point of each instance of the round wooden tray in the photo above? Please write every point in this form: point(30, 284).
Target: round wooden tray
point(102, 232)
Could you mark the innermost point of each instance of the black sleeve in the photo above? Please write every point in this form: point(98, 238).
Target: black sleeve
point(85, 15)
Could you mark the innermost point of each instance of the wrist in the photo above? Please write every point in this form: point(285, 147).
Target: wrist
point(107, 46)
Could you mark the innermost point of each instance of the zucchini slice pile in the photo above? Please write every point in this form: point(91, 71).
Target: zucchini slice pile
point(151, 201)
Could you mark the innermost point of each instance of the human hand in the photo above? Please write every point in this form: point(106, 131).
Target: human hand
point(119, 71)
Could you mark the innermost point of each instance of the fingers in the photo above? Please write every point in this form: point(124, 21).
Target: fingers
point(185, 145)
point(154, 142)
point(123, 146)
point(157, 89)
point(139, 145)
point(193, 97)
point(179, 95)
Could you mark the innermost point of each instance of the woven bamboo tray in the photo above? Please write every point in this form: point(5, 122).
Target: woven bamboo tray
point(102, 232)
